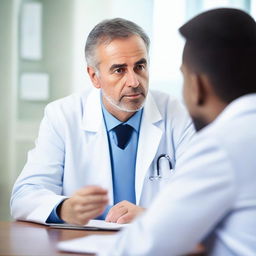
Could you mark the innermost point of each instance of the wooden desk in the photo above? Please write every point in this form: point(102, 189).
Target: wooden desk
point(30, 239)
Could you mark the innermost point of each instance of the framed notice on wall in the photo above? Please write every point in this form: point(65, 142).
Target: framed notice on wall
point(34, 86)
point(31, 31)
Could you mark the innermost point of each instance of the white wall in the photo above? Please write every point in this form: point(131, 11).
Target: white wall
point(8, 75)
point(167, 46)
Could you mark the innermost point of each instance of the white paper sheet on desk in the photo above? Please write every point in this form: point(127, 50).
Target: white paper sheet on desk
point(97, 244)
point(91, 225)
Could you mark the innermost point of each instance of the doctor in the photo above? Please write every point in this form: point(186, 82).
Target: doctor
point(97, 150)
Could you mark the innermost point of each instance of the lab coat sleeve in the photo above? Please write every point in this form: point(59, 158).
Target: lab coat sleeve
point(39, 187)
point(188, 209)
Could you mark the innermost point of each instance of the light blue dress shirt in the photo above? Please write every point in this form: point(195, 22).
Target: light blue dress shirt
point(123, 162)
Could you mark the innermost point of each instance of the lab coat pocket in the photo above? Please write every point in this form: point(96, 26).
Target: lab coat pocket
point(162, 176)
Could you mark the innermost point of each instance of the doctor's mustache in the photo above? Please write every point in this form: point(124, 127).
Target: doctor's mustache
point(132, 91)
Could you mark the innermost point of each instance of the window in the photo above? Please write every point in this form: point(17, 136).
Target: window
point(167, 44)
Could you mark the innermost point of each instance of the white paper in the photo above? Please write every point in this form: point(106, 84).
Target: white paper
point(34, 86)
point(92, 225)
point(98, 244)
point(31, 31)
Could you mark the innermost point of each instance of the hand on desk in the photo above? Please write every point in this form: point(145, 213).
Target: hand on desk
point(123, 212)
point(85, 204)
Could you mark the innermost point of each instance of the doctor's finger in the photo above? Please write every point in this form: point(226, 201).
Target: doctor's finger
point(85, 217)
point(115, 213)
point(92, 190)
point(90, 207)
point(94, 199)
point(83, 200)
point(126, 218)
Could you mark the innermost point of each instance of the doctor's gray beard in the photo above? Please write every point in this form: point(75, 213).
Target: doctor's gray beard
point(120, 107)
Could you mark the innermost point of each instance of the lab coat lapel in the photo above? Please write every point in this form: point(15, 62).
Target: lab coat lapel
point(92, 115)
point(98, 148)
point(149, 139)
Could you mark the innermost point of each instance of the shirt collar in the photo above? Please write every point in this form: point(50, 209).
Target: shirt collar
point(111, 122)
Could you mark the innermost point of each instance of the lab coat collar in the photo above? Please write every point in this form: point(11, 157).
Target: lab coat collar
point(151, 112)
point(92, 113)
point(239, 106)
point(150, 137)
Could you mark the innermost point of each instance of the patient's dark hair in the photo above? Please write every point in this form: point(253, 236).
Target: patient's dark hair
point(221, 43)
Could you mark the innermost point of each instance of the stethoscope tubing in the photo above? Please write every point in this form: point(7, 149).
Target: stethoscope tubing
point(158, 176)
point(158, 163)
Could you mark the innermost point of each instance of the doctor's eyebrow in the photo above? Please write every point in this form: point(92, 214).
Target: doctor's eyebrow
point(141, 61)
point(115, 66)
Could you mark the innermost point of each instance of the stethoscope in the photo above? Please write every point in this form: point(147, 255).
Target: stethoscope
point(158, 176)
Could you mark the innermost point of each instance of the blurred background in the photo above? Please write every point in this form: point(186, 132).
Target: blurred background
point(42, 59)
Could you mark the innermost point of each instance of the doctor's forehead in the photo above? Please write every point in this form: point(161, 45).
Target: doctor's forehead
point(121, 50)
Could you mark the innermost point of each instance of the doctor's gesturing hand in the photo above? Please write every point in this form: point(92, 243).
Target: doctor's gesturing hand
point(123, 212)
point(87, 203)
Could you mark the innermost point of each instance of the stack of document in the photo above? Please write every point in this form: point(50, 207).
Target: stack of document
point(91, 225)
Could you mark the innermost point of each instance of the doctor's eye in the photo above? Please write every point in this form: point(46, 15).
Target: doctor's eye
point(119, 71)
point(140, 67)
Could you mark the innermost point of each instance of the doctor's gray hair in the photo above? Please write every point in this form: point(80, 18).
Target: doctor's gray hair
point(108, 30)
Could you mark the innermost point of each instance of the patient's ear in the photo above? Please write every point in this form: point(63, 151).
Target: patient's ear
point(198, 89)
point(93, 76)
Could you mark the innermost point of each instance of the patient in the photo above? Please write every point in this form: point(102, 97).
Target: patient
point(212, 198)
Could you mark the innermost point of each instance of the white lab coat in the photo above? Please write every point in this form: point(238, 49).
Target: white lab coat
point(72, 152)
point(213, 194)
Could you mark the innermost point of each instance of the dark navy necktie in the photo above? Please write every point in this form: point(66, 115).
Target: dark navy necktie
point(123, 164)
point(123, 134)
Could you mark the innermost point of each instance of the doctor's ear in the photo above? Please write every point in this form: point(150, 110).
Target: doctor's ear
point(93, 76)
point(198, 89)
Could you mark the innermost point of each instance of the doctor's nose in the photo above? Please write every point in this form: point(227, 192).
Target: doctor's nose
point(132, 79)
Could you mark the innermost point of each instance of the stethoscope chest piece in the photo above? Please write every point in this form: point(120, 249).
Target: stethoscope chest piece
point(155, 177)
